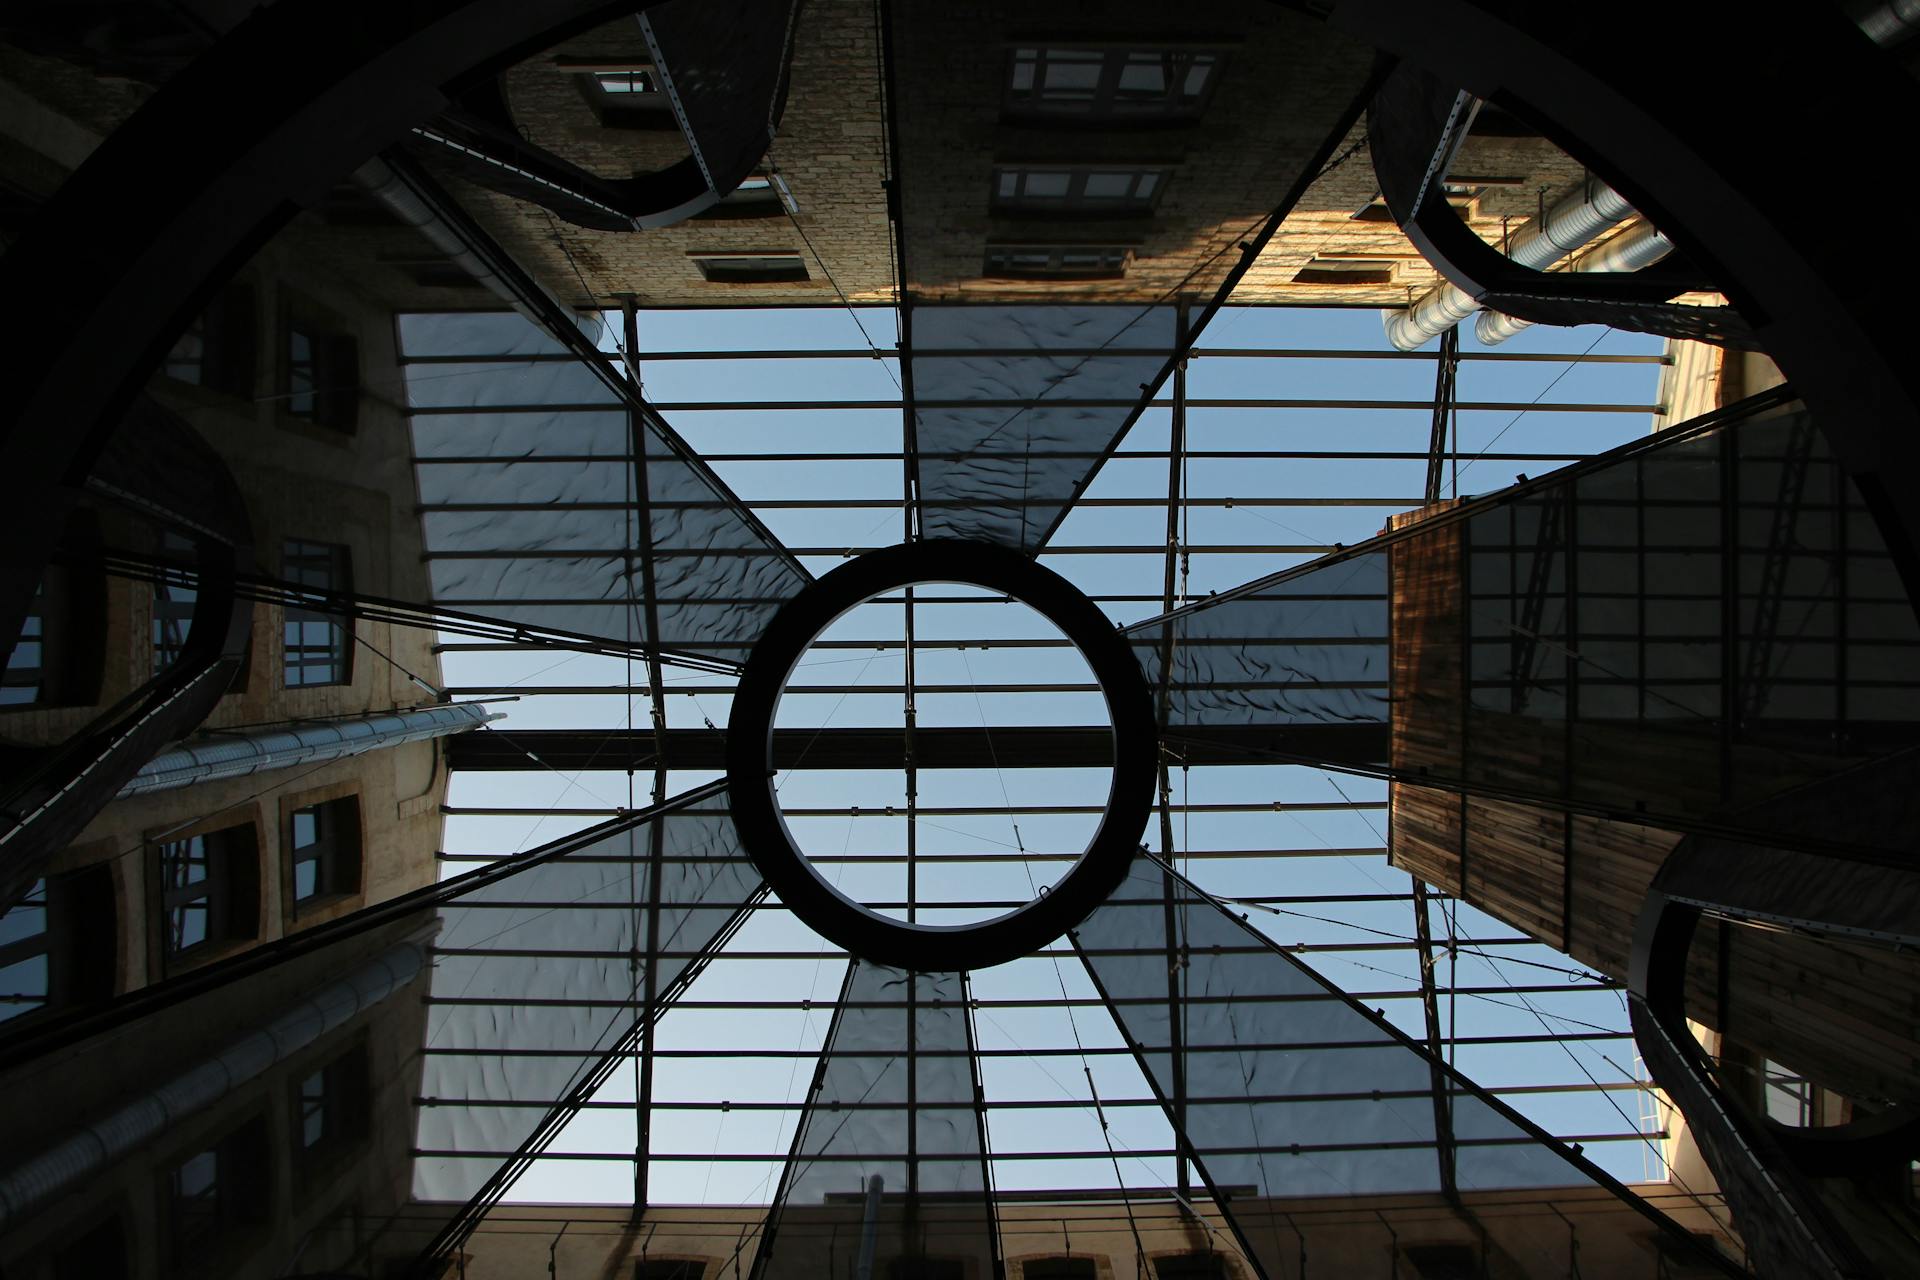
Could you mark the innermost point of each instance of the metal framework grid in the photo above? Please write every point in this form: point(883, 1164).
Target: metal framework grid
point(1530, 1024)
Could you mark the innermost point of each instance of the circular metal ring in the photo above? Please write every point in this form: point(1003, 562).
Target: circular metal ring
point(850, 924)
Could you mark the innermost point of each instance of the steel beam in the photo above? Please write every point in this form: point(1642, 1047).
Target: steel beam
point(1008, 747)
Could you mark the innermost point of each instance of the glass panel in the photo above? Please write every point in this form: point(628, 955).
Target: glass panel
point(27, 918)
point(541, 962)
point(1044, 183)
point(1048, 381)
point(313, 1109)
point(903, 1167)
point(23, 986)
point(302, 375)
point(1109, 186)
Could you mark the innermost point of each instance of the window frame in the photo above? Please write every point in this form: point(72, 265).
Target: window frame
point(23, 949)
point(330, 401)
point(339, 848)
point(240, 1196)
point(705, 260)
point(1342, 271)
point(231, 889)
point(650, 110)
point(342, 1099)
point(1074, 202)
point(1104, 104)
point(298, 556)
point(1056, 270)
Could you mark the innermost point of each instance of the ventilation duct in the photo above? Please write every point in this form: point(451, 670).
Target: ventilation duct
point(1637, 247)
point(1590, 209)
point(234, 755)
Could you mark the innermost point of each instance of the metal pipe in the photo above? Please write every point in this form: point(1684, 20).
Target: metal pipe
point(83, 1155)
point(1577, 218)
point(238, 754)
point(1637, 247)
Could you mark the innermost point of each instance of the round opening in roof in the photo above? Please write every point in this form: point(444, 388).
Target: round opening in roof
point(1032, 756)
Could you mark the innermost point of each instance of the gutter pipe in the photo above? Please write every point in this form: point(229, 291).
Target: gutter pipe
point(208, 758)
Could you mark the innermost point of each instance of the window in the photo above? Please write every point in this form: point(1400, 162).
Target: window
point(24, 681)
point(628, 86)
point(50, 953)
point(1191, 1266)
point(624, 93)
point(1112, 85)
point(317, 645)
point(669, 1269)
point(1058, 1269)
point(320, 371)
point(330, 1104)
point(926, 1269)
point(217, 350)
point(214, 1194)
point(207, 891)
point(325, 842)
point(1056, 262)
point(25, 969)
point(751, 266)
point(58, 656)
point(1444, 1261)
point(760, 196)
point(1345, 271)
point(1089, 191)
point(173, 602)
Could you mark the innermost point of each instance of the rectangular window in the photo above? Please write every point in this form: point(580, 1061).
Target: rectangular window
point(760, 196)
point(1190, 1266)
point(325, 842)
point(669, 1269)
point(319, 369)
point(303, 374)
point(329, 1103)
point(207, 895)
point(1056, 262)
point(1085, 191)
point(217, 350)
point(317, 645)
point(628, 85)
point(1112, 86)
point(25, 965)
point(24, 680)
point(1058, 1269)
point(1444, 1261)
point(624, 94)
point(751, 267)
point(215, 1195)
point(173, 602)
point(1371, 271)
point(50, 954)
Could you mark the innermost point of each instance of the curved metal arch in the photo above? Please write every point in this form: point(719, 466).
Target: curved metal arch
point(929, 948)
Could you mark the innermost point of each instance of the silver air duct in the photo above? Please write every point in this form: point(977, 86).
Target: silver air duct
point(234, 755)
point(1590, 209)
point(1634, 248)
